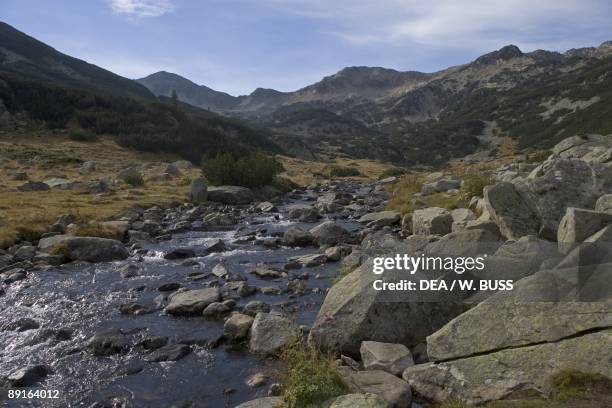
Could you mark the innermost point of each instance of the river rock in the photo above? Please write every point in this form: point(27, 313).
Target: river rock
point(180, 253)
point(266, 207)
point(237, 327)
point(28, 376)
point(389, 357)
point(90, 249)
point(329, 233)
point(270, 333)
point(303, 213)
point(191, 302)
point(34, 186)
point(310, 260)
point(431, 221)
point(366, 400)
point(265, 402)
point(220, 271)
point(198, 191)
point(577, 225)
point(380, 219)
point(230, 195)
point(296, 236)
point(395, 391)
point(482, 378)
point(216, 310)
point(108, 342)
point(254, 307)
point(170, 352)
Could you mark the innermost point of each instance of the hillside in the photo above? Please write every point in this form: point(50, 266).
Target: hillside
point(537, 98)
point(42, 87)
point(25, 56)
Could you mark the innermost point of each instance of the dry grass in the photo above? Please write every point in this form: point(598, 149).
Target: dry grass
point(305, 172)
point(43, 155)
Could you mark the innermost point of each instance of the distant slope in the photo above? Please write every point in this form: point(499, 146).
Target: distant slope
point(23, 55)
point(537, 97)
point(163, 83)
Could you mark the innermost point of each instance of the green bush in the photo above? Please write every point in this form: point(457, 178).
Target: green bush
point(253, 170)
point(392, 172)
point(473, 185)
point(82, 135)
point(311, 377)
point(339, 171)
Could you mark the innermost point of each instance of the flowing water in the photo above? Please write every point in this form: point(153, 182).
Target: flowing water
point(73, 302)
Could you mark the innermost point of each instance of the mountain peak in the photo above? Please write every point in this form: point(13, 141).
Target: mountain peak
point(504, 54)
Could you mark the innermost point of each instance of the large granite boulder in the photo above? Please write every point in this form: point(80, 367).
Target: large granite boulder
point(511, 212)
point(590, 148)
point(264, 402)
point(198, 191)
point(577, 225)
point(380, 219)
point(366, 400)
point(296, 236)
point(90, 249)
point(481, 378)
point(230, 195)
point(353, 311)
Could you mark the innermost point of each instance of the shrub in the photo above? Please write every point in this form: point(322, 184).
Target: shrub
point(570, 383)
point(392, 172)
point(538, 157)
point(339, 171)
point(311, 377)
point(403, 192)
point(473, 185)
point(82, 135)
point(253, 170)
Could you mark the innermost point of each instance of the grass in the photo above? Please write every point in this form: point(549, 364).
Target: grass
point(341, 171)
point(311, 377)
point(568, 388)
point(43, 154)
point(473, 185)
point(344, 271)
point(305, 172)
point(97, 229)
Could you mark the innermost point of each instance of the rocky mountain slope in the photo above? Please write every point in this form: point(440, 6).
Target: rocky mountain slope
point(538, 98)
point(25, 56)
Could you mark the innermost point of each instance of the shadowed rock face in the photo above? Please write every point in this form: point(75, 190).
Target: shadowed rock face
point(354, 312)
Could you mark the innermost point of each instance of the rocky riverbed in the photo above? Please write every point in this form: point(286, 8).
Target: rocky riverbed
point(115, 324)
point(189, 310)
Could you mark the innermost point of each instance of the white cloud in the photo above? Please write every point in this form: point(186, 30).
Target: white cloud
point(142, 8)
point(458, 24)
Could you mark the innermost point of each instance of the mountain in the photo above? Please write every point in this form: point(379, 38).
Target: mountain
point(164, 83)
point(41, 86)
point(25, 56)
point(535, 97)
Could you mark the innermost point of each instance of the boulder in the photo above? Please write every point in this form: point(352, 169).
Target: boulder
point(33, 186)
point(514, 216)
point(395, 391)
point(589, 148)
point(577, 225)
point(296, 236)
point(431, 221)
point(170, 352)
point(237, 327)
point(310, 260)
point(198, 191)
point(303, 213)
point(380, 219)
point(333, 201)
point(329, 233)
point(493, 376)
point(389, 357)
point(353, 311)
point(265, 402)
point(468, 243)
point(440, 186)
point(254, 307)
point(172, 170)
point(90, 249)
point(28, 376)
point(216, 310)
point(366, 400)
point(604, 203)
point(230, 195)
point(270, 333)
point(180, 253)
point(131, 176)
point(191, 302)
point(88, 167)
point(108, 342)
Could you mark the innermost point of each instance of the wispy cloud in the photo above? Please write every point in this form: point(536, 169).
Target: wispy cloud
point(142, 8)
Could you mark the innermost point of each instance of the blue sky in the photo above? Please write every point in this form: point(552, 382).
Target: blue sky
point(238, 45)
